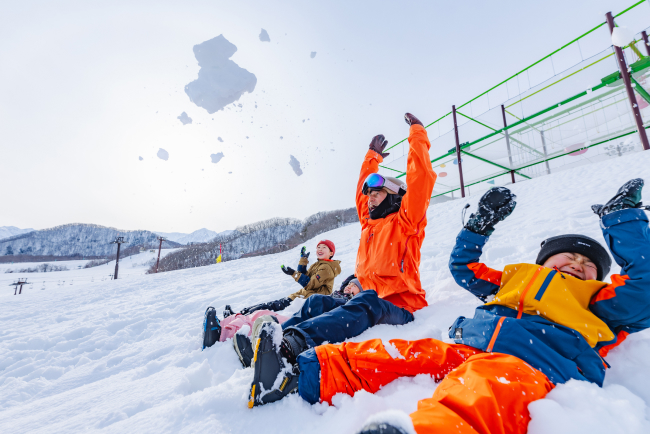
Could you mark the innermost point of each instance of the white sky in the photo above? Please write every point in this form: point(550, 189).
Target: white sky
point(88, 87)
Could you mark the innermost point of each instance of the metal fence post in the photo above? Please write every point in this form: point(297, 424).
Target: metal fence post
point(644, 35)
point(460, 166)
point(505, 124)
point(622, 66)
point(548, 169)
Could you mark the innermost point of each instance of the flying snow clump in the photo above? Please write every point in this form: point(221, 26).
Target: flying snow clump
point(313, 54)
point(221, 81)
point(295, 165)
point(184, 118)
point(220, 139)
point(264, 36)
point(162, 154)
point(216, 157)
point(140, 158)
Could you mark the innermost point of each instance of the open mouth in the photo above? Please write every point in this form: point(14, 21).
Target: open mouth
point(572, 274)
point(371, 207)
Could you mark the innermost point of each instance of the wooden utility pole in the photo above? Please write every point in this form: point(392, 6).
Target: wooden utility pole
point(161, 239)
point(119, 241)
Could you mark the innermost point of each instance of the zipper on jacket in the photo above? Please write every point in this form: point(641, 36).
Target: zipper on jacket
point(401, 266)
point(520, 308)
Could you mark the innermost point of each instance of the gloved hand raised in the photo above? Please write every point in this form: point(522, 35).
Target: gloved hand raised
point(303, 254)
point(495, 205)
point(378, 144)
point(628, 196)
point(288, 270)
point(412, 120)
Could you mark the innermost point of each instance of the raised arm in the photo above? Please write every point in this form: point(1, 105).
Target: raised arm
point(466, 269)
point(624, 304)
point(482, 281)
point(374, 156)
point(420, 176)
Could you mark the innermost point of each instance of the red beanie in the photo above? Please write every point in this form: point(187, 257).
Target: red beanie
point(329, 244)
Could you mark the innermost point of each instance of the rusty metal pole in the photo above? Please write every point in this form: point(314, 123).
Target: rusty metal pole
point(460, 165)
point(622, 66)
point(159, 249)
point(646, 42)
point(117, 260)
point(505, 124)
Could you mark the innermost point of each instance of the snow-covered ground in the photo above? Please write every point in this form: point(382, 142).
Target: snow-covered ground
point(76, 275)
point(125, 356)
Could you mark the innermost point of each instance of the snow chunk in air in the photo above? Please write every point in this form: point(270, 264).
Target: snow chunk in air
point(295, 165)
point(216, 157)
point(184, 118)
point(220, 139)
point(162, 154)
point(264, 36)
point(140, 158)
point(313, 54)
point(221, 81)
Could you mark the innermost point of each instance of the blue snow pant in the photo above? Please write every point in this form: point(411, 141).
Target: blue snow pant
point(324, 318)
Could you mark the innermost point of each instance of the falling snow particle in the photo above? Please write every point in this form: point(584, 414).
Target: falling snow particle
point(313, 54)
point(295, 165)
point(264, 36)
point(162, 154)
point(140, 158)
point(184, 118)
point(220, 139)
point(216, 157)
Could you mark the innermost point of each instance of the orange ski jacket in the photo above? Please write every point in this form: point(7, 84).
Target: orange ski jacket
point(388, 259)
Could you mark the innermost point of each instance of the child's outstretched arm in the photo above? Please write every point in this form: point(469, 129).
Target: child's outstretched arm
point(624, 304)
point(477, 278)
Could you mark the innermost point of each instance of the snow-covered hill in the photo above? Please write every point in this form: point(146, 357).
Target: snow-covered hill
point(199, 236)
point(76, 239)
point(10, 231)
point(125, 356)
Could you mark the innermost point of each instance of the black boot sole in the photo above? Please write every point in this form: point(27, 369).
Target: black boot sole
point(244, 349)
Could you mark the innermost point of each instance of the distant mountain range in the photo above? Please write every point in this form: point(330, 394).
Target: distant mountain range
point(77, 239)
point(199, 236)
point(10, 231)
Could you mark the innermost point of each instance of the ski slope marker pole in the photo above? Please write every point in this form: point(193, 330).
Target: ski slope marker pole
point(159, 249)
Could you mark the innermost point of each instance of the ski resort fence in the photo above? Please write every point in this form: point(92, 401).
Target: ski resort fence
point(570, 108)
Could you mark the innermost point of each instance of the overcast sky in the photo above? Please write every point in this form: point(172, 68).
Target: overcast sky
point(91, 91)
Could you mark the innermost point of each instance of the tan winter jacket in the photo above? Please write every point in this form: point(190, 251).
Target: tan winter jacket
point(321, 278)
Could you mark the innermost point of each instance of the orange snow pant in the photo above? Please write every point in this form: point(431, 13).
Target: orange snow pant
point(479, 393)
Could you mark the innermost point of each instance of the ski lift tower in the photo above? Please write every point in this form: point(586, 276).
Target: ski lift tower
point(118, 241)
point(19, 282)
point(161, 239)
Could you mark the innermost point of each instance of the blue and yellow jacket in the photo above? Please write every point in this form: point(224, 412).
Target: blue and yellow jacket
point(557, 323)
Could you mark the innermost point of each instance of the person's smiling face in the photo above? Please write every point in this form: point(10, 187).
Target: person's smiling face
point(323, 252)
point(574, 264)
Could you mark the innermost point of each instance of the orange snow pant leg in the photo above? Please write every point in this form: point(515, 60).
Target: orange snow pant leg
point(489, 393)
point(353, 366)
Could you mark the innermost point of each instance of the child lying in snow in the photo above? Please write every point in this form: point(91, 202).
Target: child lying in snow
point(319, 279)
point(546, 323)
point(243, 342)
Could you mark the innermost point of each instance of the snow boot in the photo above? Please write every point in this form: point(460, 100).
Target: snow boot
point(227, 311)
point(274, 377)
point(381, 428)
point(211, 328)
point(244, 349)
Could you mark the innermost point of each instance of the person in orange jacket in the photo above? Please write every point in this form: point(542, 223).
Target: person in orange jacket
point(392, 230)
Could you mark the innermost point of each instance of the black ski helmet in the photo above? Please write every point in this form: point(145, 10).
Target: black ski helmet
point(574, 243)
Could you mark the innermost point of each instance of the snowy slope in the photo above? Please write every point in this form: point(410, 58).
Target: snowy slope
point(199, 236)
point(10, 231)
point(124, 356)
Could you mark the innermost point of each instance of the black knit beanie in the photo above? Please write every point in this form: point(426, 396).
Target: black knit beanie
point(572, 243)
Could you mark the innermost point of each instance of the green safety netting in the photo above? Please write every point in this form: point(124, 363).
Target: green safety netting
point(555, 120)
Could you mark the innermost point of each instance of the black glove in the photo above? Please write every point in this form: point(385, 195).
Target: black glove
point(378, 144)
point(495, 205)
point(303, 254)
point(412, 120)
point(628, 196)
point(288, 270)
